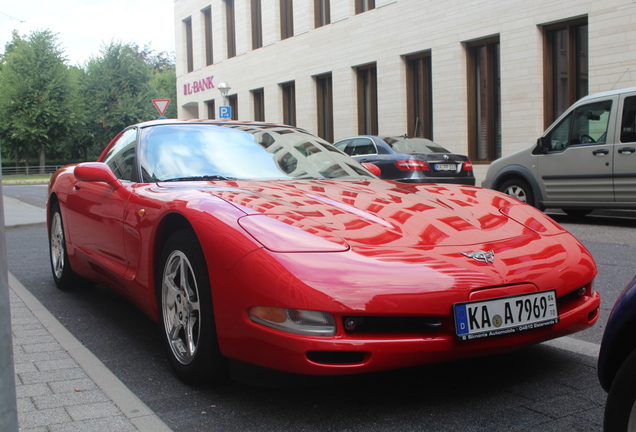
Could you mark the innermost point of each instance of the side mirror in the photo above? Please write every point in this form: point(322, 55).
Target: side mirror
point(375, 170)
point(96, 172)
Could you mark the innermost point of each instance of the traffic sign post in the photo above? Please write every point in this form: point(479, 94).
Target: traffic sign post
point(225, 112)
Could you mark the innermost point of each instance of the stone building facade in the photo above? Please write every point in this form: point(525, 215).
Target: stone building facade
point(482, 78)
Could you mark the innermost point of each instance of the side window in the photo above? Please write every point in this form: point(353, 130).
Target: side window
point(590, 123)
point(628, 122)
point(363, 146)
point(587, 124)
point(121, 157)
point(342, 145)
point(558, 138)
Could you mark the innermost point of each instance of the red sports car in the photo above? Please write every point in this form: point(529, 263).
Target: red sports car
point(265, 244)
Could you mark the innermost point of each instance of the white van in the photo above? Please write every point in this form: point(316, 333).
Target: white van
point(585, 160)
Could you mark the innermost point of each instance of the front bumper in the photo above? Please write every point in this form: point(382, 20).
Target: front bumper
point(345, 353)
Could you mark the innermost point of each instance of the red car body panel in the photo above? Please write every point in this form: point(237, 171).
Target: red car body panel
point(348, 247)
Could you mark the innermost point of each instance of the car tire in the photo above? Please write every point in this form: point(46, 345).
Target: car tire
point(620, 409)
point(63, 274)
point(186, 316)
point(519, 189)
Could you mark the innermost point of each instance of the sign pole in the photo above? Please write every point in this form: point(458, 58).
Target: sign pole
point(8, 404)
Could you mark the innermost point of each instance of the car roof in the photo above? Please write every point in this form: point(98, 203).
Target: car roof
point(609, 93)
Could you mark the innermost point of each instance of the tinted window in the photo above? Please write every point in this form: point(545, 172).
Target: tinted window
point(628, 122)
point(414, 145)
point(121, 157)
point(361, 146)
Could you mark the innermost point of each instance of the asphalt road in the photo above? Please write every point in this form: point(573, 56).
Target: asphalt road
point(549, 387)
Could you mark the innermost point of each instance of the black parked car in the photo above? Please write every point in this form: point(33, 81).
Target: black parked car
point(409, 159)
point(617, 363)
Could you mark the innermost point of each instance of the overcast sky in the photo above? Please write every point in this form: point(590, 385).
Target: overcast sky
point(84, 26)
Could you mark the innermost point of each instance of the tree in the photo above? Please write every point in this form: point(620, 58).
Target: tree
point(35, 89)
point(118, 86)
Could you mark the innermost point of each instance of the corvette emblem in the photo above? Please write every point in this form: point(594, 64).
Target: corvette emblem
point(481, 256)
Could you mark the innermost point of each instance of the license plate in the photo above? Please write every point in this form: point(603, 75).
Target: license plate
point(505, 315)
point(445, 167)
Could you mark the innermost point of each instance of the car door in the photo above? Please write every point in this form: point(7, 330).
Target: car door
point(95, 211)
point(577, 166)
point(625, 151)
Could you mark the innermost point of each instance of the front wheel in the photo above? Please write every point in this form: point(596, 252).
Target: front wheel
point(185, 310)
point(519, 189)
point(620, 410)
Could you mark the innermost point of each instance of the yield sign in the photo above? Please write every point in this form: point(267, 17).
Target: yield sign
point(161, 105)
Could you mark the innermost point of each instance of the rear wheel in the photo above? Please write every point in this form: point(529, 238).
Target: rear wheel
point(185, 311)
point(519, 189)
point(620, 410)
point(63, 275)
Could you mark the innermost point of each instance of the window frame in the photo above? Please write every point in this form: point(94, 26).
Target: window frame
point(288, 90)
point(286, 19)
point(230, 28)
point(324, 102)
point(258, 96)
point(419, 95)
point(573, 90)
point(322, 13)
point(480, 98)
point(257, 24)
point(364, 6)
point(367, 95)
point(187, 29)
point(207, 35)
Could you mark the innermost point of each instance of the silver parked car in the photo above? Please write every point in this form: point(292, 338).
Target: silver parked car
point(585, 160)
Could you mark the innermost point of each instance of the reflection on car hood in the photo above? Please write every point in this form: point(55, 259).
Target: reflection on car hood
point(381, 213)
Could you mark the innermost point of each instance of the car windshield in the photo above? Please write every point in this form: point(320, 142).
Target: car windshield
point(414, 145)
point(174, 152)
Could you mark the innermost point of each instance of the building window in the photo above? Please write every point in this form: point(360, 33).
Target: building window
point(230, 28)
point(207, 28)
point(257, 24)
point(484, 101)
point(364, 5)
point(367, 99)
point(289, 103)
point(419, 95)
point(187, 27)
point(286, 19)
point(232, 102)
point(322, 13)
point(566, 66)
point(324, 98)
point(259, 104)
point(211, 107)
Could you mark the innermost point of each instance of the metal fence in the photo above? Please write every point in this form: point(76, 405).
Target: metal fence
point(28, 171)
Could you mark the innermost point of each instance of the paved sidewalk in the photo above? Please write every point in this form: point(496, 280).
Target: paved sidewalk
point(61, 386)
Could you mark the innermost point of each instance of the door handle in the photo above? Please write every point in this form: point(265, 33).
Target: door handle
point(627, 150)
point(600, 152)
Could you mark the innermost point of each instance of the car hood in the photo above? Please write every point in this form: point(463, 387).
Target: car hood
point(339, 214)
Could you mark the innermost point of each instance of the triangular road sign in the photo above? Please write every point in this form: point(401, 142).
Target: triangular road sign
point(161, 105)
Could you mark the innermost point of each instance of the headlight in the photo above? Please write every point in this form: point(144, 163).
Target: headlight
point(304, 322)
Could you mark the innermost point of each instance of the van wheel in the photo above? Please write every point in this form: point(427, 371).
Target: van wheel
point(519, 189)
